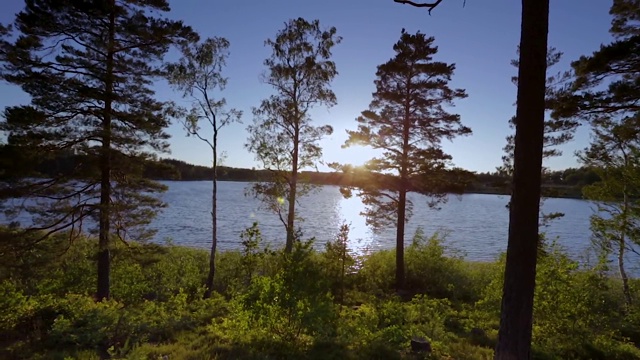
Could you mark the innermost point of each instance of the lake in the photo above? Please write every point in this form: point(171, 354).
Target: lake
point(474, 224)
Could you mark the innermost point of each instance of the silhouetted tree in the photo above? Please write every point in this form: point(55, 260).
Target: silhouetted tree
point(516, 319)
point(514, 335)
point(614, 153)
point(605, 83)
point(556, 131)
point(197, 74)
point(407, 121)
point(283, 136)
point(605, 92)
point(88, 67)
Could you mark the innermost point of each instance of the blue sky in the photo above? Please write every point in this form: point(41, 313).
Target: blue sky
point(480, 38)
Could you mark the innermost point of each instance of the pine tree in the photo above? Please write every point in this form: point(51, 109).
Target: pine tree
point(605, 93)
point(606, 82)
point(514, 336)
point(556, 131)
point(283, 136)
point(407, 122)
point(516, 315)
point(614, 154)
point(88, 67)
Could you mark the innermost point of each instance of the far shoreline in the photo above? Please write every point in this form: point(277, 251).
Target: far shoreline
point(487, 191)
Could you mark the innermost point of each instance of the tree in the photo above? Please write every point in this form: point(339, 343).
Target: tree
point(556, 131)
point(88, 67)
point(197, 74)
point(282, 135)
point(605, 83)
point(4, 34)
point(407, 121)
point(614, 153)
point(605, 93)
point(514, 336)
point(516, 317)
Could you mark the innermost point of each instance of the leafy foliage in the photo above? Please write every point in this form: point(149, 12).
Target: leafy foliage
point(197, 74)
point(282, 136)
point(287, 310)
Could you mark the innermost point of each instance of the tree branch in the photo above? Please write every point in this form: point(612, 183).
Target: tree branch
point(429, 6)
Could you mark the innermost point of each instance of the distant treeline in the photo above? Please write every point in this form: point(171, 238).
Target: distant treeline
point(455, 180)
point(562, 183)
point(559, 183)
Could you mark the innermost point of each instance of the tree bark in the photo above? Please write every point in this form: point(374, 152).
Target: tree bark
point(514, 336)
point(104, 256)
point(214, 214)
point(402, 208)
point(402, 194)
point(622, 244)
point(623, 272)
point(293, 186)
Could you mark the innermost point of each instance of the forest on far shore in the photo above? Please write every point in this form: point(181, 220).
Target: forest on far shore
point(566, 183)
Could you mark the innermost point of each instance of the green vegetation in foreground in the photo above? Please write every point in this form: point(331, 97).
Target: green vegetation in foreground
point(303, 305)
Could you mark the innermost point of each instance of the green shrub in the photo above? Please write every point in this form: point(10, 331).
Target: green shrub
point(338, 265)
point(376, 275)
point(294, 304)
point(577, 312)
point(274, 305)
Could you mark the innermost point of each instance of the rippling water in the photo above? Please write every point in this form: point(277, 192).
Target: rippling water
point(475, 224)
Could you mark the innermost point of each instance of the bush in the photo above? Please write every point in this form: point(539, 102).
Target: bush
point(295, 304)
point(429, 270)
point(275, 305)
point(577, 312)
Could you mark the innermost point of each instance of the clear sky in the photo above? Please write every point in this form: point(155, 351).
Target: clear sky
point(480, 38)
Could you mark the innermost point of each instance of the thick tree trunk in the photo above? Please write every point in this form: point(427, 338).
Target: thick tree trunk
point(293, 186)
point(402, 194)
point(214, 216)
point(104, 257)
point(514, 336)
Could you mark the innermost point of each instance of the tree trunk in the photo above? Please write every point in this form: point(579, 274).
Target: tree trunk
point(623, 273)
point(214, 216)
point(621, 246)
point(293, 186)
point(104, 257)
point(514, 336)
point(402, 207)
point(402, 195)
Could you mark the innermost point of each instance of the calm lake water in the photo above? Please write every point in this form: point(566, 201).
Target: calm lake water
point(474, 224)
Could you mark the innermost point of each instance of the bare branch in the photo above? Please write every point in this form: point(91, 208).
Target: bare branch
point(429, 6)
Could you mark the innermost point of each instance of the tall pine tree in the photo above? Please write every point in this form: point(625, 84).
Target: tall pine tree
point(556, 131)
point(407, 122)
point(614, 154)
point(606, 93)
point(88, 66)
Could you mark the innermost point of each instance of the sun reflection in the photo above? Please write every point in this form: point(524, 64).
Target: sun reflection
point(360, 236)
